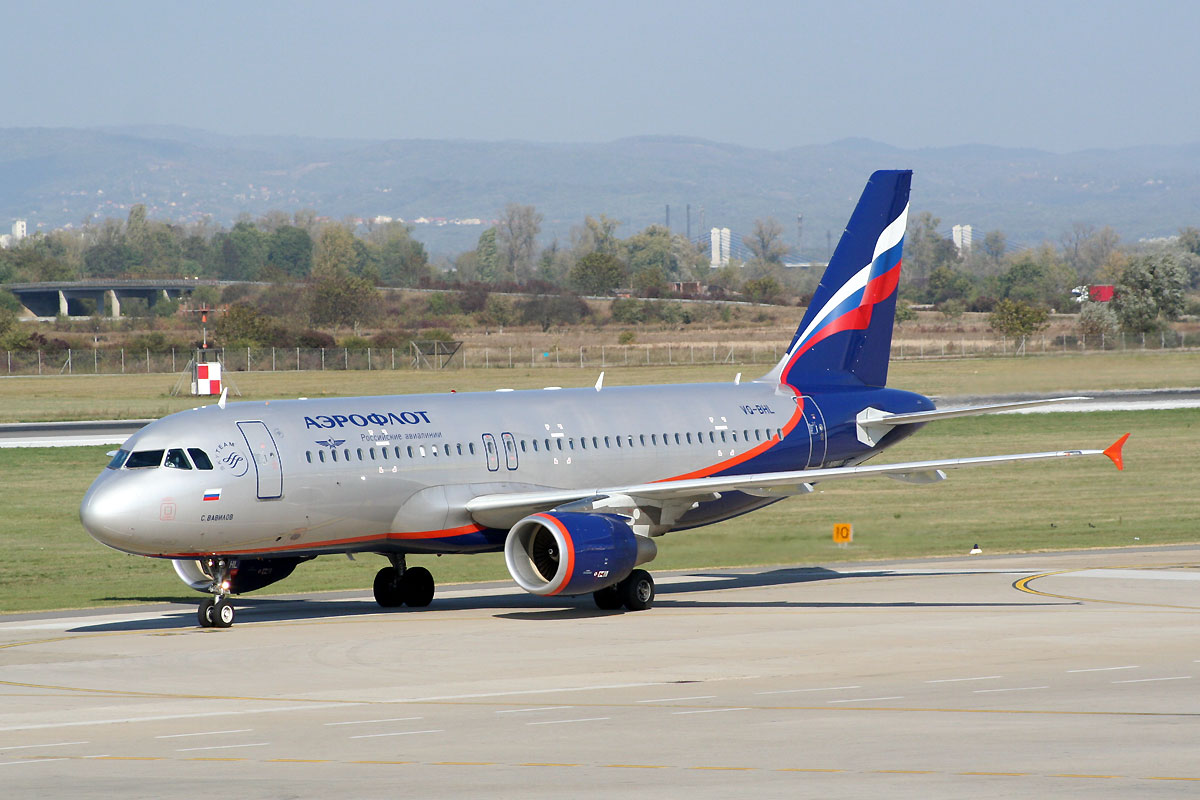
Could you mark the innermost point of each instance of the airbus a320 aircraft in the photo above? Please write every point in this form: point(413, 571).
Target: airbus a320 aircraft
point(574, 485)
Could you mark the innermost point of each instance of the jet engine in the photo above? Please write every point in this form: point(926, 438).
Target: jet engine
point(572, 553)
point(245, 575)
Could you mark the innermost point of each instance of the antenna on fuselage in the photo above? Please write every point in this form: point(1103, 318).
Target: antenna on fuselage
point(221, 402)
point(600, 382)
point(737, 379)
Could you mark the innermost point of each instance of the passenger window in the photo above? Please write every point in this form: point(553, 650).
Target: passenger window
point(618, 438)
point(118, 459)
point(410, 452)
point(397, 451)
point(333, 453)
point(371, 452)
point(723, 439)
point(689, 437)
point(321, 456)
point(642, 437)
point(712, 437)
point(535, 447)
point(571, 443)
point(677, 439)
point(471, 447)
point(606, 442)
point(199, 458)
point(458, 447)
point(447, 449)
point(144, 458)
point(359, 452)
point(734, 434)
point(560, 447)
point(383, 452)
point(583, 442)
point(595, 443)
point(308, 455)
point(547, 444)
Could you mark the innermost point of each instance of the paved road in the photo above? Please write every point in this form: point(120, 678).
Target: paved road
point(1071, 674)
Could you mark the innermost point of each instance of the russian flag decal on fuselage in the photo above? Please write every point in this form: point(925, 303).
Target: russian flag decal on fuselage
point(212, 494)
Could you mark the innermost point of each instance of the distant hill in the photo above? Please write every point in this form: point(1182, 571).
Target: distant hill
point(54, 176)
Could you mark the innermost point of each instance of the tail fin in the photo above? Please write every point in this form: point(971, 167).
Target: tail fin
point(846, 335)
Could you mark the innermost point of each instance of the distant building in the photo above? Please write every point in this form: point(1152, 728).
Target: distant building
point(19, 232)
point(962, 237)
point(720, 239)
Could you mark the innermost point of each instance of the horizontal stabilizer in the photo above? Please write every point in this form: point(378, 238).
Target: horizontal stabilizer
point(874, 424)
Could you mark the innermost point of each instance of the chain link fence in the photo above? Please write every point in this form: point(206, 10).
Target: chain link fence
point(280, 359)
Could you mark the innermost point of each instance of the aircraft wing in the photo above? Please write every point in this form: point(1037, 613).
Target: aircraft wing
point(503, 510)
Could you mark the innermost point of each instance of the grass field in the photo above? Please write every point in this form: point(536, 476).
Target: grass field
point(32, 399)
point(47, 561)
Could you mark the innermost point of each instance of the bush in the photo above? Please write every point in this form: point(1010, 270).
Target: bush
point(354, 343)
point(314, 339)
point(396, 339)
point(627, 337)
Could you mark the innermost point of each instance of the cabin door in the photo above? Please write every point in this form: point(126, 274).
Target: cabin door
point(265, 456)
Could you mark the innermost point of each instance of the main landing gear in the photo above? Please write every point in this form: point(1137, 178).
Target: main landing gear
point(635, 593)
point(217, 611)
point(399, 585)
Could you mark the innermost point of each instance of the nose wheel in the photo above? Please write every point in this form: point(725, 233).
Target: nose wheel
point(217, 611)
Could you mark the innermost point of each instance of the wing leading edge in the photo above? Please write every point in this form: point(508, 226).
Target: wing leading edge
point(503, 510)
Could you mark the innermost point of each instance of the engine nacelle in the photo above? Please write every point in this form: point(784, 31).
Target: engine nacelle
point(245, 574)
point(573, 553)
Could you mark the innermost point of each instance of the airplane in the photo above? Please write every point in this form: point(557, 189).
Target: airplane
point(575, 486)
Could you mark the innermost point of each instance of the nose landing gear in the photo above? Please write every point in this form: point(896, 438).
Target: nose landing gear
point(217, 611)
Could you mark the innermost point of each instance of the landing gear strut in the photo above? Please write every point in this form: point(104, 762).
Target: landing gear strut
point(635, 593)
point(400, 585)
point(217, 611)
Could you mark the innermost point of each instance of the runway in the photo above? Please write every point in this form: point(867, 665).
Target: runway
point(1067, 674)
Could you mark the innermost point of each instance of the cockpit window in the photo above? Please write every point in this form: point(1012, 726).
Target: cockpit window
point(144, 458)
point(176, 459)
point(118, 459)
point(200, 458)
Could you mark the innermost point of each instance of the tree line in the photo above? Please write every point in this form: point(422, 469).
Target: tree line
point(339, 264)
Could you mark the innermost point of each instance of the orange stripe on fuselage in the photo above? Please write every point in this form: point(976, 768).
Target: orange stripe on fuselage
point(462, 530)
point(757, 450)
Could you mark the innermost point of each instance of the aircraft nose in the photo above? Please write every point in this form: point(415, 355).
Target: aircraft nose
point(104, 513)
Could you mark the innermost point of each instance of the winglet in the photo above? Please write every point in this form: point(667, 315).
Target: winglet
point(1114, 451)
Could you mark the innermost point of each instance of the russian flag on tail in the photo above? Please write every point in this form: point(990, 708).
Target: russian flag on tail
point(846, 335)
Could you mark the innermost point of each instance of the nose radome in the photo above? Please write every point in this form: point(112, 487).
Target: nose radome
point(102, 512)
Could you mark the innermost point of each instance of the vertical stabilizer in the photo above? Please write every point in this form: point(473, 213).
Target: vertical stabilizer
point(845, 338)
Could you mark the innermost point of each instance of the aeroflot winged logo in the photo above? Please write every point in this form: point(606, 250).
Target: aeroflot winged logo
point(849, 309)
point(363, 420)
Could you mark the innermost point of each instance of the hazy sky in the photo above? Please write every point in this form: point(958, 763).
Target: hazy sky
point(1054, 75)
